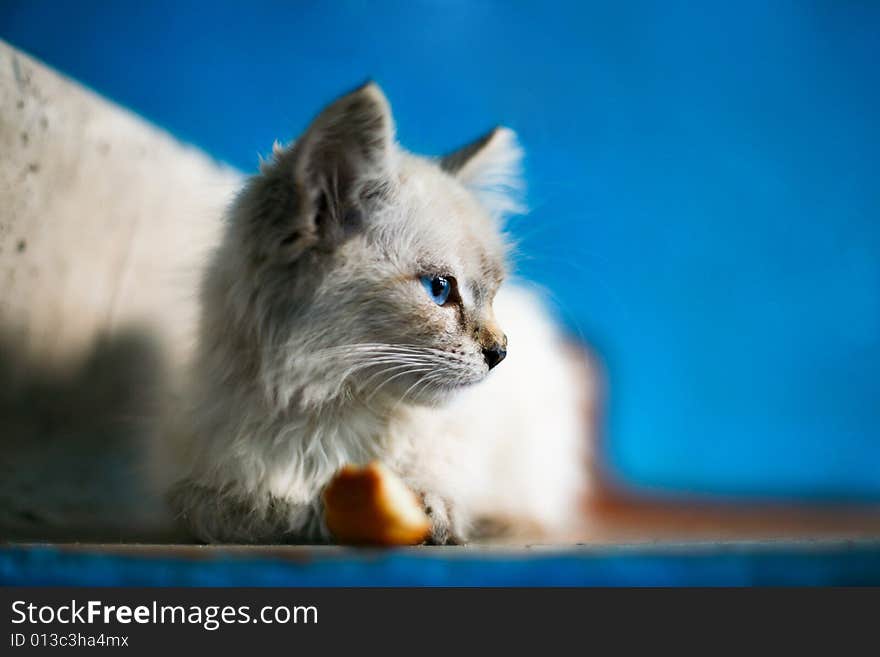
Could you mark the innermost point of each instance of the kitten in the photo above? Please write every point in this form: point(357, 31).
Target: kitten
point(356, 310)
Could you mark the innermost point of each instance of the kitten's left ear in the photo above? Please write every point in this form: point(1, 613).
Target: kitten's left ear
point(345, 157)
point(491, 167)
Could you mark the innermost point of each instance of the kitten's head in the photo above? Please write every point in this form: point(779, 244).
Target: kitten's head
point(355, 267)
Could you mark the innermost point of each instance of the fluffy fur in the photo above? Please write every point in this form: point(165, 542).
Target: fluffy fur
point(319, 347)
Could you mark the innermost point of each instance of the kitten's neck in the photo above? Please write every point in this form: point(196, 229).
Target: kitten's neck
point(359, 423)
point(301, 408)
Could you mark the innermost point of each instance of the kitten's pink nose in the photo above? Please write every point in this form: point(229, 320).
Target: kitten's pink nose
point(494, 354)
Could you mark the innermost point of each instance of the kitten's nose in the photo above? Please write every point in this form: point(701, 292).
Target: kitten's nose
point(494, 355)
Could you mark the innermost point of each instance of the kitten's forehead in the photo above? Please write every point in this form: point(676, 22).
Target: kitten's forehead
point(446, 226)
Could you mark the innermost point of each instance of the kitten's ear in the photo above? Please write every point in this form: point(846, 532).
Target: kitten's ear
point(344, 157)
point(491, 167)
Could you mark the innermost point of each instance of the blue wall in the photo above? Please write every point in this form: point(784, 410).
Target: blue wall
point(704, 183)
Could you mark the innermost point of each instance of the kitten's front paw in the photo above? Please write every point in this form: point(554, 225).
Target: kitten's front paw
point(442, 527)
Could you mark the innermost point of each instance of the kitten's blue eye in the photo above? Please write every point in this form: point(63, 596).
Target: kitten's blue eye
point(437, 287)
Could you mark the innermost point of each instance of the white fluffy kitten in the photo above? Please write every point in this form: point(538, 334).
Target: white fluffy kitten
point(353, 312)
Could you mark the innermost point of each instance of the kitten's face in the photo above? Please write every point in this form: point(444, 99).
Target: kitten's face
point(376, 269)
point(418, 285)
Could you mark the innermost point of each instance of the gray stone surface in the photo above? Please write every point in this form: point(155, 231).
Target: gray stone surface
point(104, 222)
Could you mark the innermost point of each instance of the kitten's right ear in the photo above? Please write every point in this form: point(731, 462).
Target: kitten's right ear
point(344, 157)
point(491, 167)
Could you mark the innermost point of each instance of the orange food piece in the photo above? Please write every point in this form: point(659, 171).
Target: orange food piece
point(370, 505)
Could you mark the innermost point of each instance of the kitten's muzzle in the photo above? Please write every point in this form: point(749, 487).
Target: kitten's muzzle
point(494, 354)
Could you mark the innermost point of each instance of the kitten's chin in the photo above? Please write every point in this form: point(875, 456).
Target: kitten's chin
point(443, 392)
point(437, 393)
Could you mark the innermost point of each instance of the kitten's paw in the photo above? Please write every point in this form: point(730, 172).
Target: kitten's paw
point(442, 526)
point(372, 506)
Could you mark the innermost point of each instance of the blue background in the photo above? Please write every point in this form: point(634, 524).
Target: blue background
point(703, 179)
